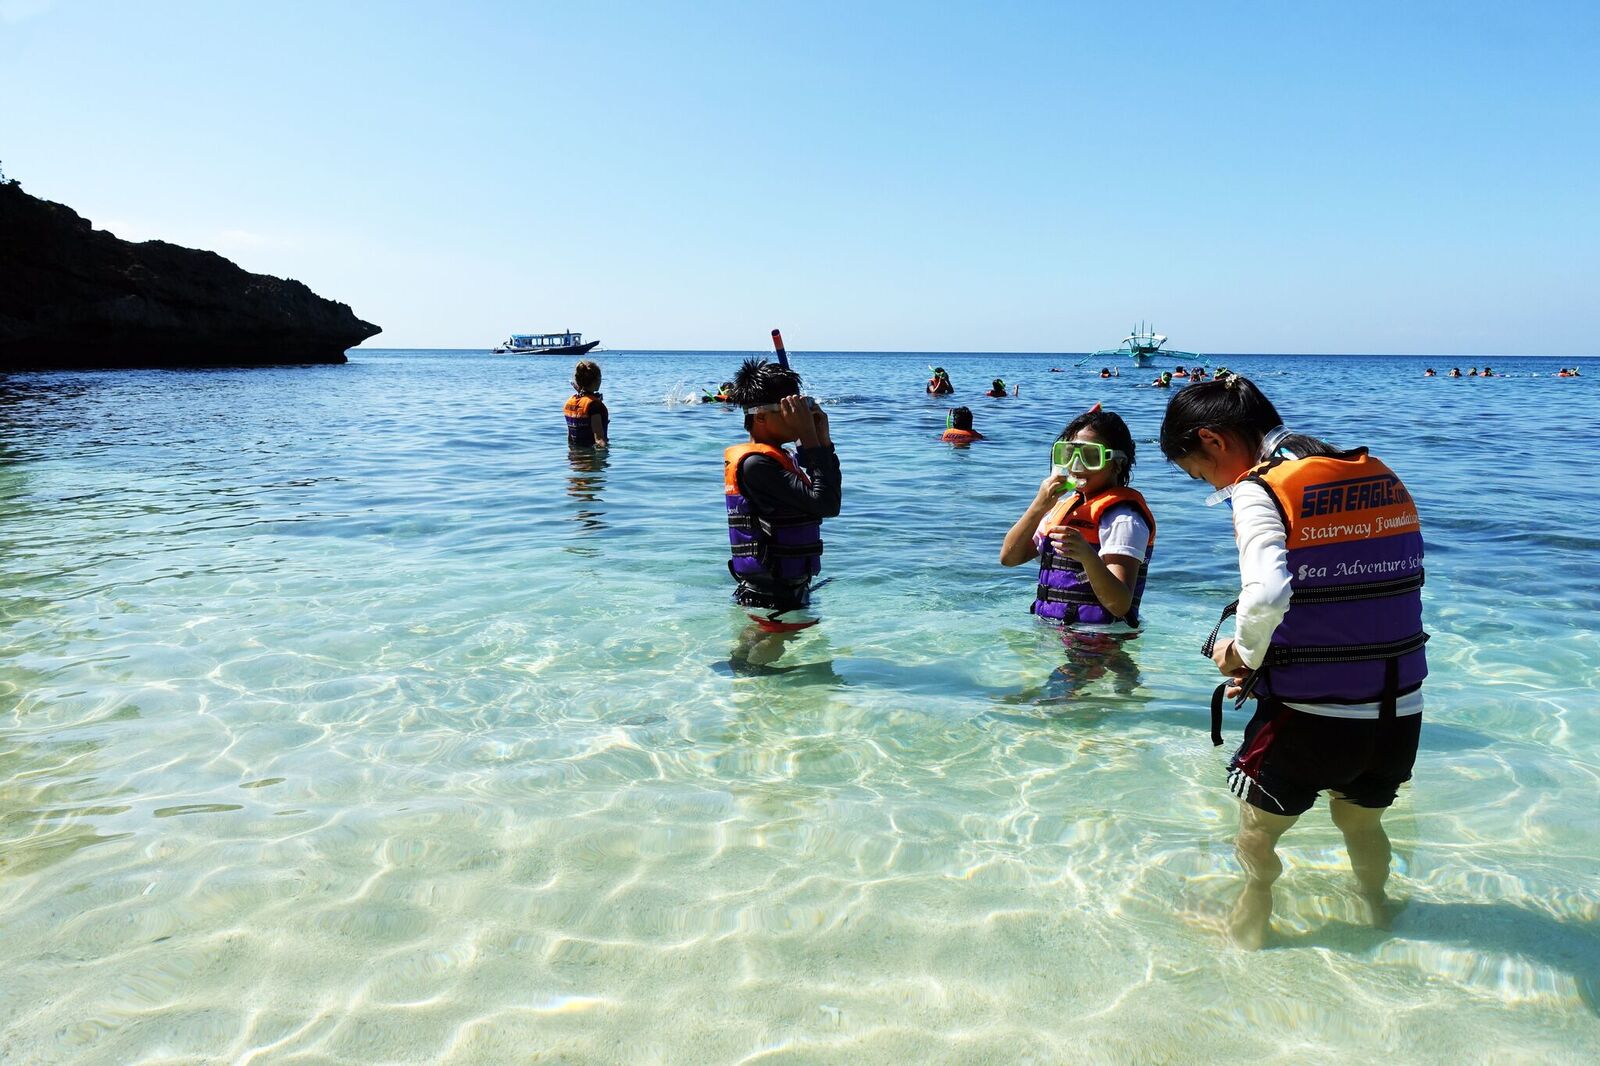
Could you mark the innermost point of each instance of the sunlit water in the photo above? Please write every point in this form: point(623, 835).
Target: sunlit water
point(344, 718)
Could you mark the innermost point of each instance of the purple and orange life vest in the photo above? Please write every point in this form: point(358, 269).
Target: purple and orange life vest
point(1064, 594)
point(578, 410)
point(769, 547)
point(1353, 633)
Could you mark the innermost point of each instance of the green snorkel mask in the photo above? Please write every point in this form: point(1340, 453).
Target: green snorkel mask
point(1068, 457)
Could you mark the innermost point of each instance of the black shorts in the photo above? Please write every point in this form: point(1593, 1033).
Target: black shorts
point(1289, 756)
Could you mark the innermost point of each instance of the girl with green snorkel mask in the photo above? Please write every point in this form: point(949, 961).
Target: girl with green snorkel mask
point(1092, 534)
point(939, 384)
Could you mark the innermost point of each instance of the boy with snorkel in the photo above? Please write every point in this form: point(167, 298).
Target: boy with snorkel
point(776, 501)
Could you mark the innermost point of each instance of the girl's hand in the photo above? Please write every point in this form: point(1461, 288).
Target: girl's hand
point(1226, 656)
point(1051, 487)
point(1071, 543)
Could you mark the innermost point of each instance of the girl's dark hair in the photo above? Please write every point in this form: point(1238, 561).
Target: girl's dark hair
point(758, 382)
point(1232, 404)
point(586, 376)
point(1112, 430)
point(961, 418)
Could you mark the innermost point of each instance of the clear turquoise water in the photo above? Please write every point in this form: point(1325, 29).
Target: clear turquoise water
point(343, 718)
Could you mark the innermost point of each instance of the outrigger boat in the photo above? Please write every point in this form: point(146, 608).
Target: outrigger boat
point(567, 343)
point(1143, 344)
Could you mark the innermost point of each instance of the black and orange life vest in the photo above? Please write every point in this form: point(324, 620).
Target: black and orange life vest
point(768, 546)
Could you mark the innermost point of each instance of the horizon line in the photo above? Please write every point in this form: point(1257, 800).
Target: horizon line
point(930, 351)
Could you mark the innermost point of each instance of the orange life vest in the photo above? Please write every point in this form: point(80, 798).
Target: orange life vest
point(579, 409)
point(961, 436)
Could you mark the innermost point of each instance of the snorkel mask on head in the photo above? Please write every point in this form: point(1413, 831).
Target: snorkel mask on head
point(1269, 448)
point(757, 409)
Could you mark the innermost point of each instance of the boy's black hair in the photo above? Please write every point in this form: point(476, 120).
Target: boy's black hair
point(961, 418)
point(760, 382)
point(1231, 404)
point(1112, 430)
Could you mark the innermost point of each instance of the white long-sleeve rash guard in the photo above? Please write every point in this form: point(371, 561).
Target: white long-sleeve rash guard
point(1263, 571)
point(1264, 592)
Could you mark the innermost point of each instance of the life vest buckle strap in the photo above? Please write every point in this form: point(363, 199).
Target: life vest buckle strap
point(794, 550)
point(1370, 590)
point(1344, 653)
point(1211, 641)
point(1051, 594)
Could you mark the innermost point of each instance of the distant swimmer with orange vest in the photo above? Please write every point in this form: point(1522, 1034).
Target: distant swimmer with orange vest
point(939, 384)
point(1164, 381)
point(1092, 534)
point(958, 427)
point(776, 501)
point(1328, 633)
point(588, 421)
point(997, 389)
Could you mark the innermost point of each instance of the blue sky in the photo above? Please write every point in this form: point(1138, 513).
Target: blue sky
point(1273, 177)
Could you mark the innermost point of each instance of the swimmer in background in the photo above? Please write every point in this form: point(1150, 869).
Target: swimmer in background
point(588, 421)
point(939, 384)
point(1198, 374)
point(1428, 373)
point(1472, 372)
point(1105, 371)
point(959, 430)
point(998, 389)
point(1488, 373)
point(1164, 381)
point(724, 394)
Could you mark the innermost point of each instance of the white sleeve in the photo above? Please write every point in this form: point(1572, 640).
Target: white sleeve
point(1123, 531)
point(1263, 571)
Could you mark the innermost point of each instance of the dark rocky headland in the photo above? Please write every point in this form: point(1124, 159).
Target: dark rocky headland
point(75, 296)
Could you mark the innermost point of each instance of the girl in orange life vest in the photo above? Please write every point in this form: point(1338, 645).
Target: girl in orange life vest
point(1328, 632)
point(1096, 579)
point(776, 502)
point(960, 430)
point(939, 384)
point(588, 421)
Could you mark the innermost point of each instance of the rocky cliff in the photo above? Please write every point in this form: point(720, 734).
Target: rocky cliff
point(72, 295)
